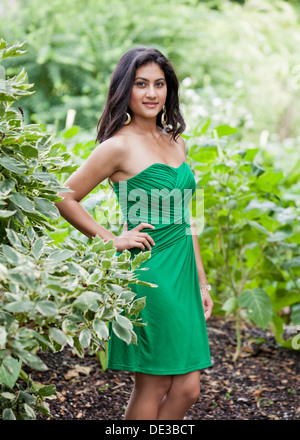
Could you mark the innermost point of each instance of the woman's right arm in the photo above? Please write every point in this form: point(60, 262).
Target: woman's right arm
point(104, 161)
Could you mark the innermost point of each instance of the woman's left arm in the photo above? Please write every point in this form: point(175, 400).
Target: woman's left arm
point(206, 299)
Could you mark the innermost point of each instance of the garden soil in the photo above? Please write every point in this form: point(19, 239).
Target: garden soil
point(262, 384)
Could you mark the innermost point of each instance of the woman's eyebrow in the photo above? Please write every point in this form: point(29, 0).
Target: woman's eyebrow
point(145, 79)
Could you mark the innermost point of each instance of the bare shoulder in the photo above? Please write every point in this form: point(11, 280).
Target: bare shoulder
point(113, 149)
point(104, 160)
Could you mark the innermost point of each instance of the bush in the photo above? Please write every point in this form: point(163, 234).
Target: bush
point(250, 241)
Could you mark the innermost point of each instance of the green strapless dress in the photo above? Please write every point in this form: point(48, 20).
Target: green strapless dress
point(175, 339)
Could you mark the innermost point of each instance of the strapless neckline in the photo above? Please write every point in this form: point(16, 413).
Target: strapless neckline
point(147, 168)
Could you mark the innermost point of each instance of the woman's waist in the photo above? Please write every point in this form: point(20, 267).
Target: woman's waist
point(164, 235)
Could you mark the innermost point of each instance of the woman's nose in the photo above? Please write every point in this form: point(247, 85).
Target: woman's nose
point(151, 91)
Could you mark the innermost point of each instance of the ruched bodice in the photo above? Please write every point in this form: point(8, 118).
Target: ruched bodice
point(159, 195)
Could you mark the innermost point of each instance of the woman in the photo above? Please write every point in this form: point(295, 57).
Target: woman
point(140, 148)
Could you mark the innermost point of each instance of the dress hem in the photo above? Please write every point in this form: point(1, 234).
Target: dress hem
point(157, 372)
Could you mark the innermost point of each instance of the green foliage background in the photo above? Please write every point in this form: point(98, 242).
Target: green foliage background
point(239, 57)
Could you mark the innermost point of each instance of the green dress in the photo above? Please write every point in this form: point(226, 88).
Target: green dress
point(175, 340)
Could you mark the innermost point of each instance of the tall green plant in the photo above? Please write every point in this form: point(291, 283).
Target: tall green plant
point(250, 243)
point(50, 296)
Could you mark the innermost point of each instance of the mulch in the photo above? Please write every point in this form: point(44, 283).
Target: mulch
point(262, 384)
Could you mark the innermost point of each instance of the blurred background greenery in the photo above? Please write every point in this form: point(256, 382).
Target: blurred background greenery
point(238, 61)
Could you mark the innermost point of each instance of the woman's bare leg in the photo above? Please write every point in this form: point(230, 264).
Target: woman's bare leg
point(184, 391)
point(146, 396)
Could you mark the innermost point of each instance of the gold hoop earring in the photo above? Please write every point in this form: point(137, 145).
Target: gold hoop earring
point(128, 120)
point(164, 116)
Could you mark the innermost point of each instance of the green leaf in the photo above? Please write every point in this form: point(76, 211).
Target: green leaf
point(22, 202)
point(205, 127)
point(137, 305)
point(8, 414)
point(47, 208)
point(122, 332)
point(294, 262)
point(276, 325)
point(9, 371)
point(86, 300)
point(29, 411)
point(47, 390)
point(8, 395)
point(259, 306)
point(85, 337)
point(259, 227)
point(280, 297)
point(94, 278)
point(71, 132)
point(3, 337)
point(271, 270)
point(6, 186)
point(101, 329)
point(133, 338)
point(19, 306)
point(29, 151)
point(256, 169)
point(30, 359)
point(105, 264)
point(58, 335)
point(11, 255)
point(78, 347)
point(225, 130)
point(47, 308)
point(260, 207)
point(5, 213)
point(281, 233)
point(37, 248)
point(230, 305)
point(13, 237)
point(140, 258)
point(11, 51)
point(59, 256)
point(13, 165)
point(295, 315)
point(124, 322)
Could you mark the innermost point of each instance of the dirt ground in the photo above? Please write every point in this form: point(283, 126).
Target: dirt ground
point(262, 384)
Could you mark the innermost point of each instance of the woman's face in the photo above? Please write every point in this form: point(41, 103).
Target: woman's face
point(149, 91)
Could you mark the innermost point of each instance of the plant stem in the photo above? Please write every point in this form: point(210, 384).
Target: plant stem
point(24, 376)
point(238, 335)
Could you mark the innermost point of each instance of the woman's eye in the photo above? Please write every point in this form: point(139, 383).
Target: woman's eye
point(160, 84)
point(140, 83)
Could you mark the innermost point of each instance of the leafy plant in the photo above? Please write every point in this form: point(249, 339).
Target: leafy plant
point(249, 239)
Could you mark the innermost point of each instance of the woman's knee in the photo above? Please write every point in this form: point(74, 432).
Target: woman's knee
point(191, 392)
point(188, 389)
point(152, 384)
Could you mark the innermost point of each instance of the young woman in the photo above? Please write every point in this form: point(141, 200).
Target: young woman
point(140, 148)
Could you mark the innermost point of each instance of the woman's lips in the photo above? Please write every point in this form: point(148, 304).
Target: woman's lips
point(150, 104)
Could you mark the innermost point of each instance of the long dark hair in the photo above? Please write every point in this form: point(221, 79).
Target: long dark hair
point(114, 114)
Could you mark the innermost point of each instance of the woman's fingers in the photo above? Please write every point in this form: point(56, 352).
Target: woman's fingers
point(144, 234)
point(144, 237)
point(145, 241)
point(207, 305)
point(144, 225)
